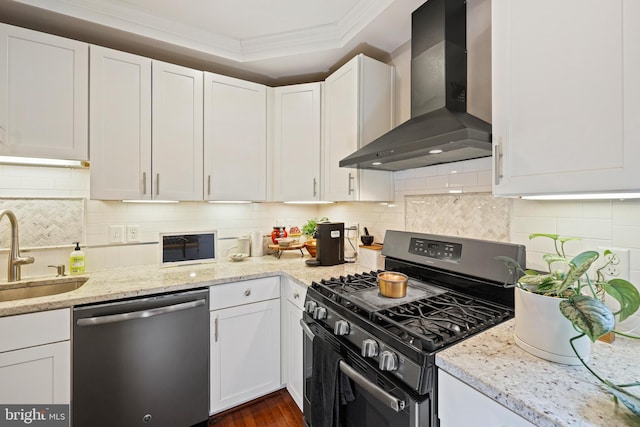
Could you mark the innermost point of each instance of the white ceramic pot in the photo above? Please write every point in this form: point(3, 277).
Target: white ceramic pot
point(544, 332)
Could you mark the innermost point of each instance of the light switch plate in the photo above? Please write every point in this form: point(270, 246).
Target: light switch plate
point(116, 234)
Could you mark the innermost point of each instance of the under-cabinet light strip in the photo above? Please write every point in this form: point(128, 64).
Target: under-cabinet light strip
point(586, 196)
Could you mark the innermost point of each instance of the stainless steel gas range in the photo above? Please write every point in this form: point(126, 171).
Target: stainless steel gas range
point(387, 346)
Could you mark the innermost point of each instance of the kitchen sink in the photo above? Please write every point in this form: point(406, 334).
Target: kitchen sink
point(39, 288)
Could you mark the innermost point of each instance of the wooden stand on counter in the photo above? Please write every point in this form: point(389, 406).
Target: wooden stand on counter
point(280, 249)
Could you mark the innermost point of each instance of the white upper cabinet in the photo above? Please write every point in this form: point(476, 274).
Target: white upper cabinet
point(120, 131)
point(235, 133)
point(296, 153)
point(358, 108)
point(44, 100)
point(177, 129)
point(146, 128)
point(566, 96)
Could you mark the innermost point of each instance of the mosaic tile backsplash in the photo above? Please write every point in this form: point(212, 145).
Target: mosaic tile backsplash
point(479, 216)
point(43, 222)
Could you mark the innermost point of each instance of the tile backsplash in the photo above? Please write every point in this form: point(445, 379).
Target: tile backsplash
point(44, 222)
point(478, 216)
point(447, 199)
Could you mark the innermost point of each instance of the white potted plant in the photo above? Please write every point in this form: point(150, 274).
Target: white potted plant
point(559, 313)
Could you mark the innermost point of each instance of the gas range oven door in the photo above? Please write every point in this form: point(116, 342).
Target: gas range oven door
point(376, 404)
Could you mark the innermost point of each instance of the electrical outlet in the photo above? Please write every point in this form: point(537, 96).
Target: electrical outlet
point(619, 267)
point(116, 234)
point(133, 233)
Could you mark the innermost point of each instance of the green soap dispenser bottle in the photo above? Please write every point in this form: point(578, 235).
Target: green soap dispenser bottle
point(76, 260)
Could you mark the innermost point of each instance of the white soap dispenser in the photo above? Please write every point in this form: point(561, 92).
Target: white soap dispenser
point(76, 260)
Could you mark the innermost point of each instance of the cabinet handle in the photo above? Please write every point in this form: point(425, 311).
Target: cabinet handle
point(247, 292)
point(351, 178)
point(296, 295)
point(315, 187)
point(157, 184)
point(208, 185)
point(497, 162)
point(215, 329)
point(144, 183)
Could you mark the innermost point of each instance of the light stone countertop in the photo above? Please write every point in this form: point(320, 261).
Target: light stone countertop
point(545, 393)
point(146, 280)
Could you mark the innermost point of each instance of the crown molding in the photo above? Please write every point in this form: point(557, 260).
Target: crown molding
point(332, 35)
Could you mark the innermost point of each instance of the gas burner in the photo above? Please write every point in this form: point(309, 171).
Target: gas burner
point(352, 282)
point(439, 320)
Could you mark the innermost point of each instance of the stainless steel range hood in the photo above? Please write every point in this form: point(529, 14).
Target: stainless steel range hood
point(440, 130)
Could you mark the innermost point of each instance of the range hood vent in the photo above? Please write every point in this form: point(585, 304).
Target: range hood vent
point(440, 130)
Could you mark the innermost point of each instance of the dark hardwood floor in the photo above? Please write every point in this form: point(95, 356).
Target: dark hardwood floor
point(273, 410)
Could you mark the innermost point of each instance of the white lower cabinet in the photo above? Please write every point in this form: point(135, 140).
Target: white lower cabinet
point(245, 341)
point(35, 358)
point(453, 395)
point(292, 358)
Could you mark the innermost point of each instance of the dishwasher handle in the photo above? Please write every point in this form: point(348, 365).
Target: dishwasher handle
point(122, 317)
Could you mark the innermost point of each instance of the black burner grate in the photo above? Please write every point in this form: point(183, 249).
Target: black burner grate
point(427, 319)
point(352, 282)
point(440, 320)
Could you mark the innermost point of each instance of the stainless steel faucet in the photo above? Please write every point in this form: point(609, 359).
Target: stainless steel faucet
point(15, 260)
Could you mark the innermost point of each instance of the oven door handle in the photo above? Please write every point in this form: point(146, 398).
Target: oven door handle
point(306, 330)
point(381, 395)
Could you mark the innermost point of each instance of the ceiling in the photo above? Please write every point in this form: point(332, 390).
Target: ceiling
point(273, 41)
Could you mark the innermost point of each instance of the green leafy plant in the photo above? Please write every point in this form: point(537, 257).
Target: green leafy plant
point(581, 299)
point(310, 226)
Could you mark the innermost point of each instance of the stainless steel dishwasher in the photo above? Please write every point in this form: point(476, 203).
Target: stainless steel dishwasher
point(142, 362)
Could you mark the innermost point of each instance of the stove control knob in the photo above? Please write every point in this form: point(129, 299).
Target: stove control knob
point(310, 306)
point(369, 348)
point(320, 313)
point(341, 327)
point(388, 361)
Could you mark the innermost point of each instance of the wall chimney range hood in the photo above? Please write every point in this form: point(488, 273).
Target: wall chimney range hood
point(440, 130)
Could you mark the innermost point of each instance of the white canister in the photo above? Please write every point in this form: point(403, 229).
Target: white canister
point(244, 245)
point(256, 244)
point(371, 257)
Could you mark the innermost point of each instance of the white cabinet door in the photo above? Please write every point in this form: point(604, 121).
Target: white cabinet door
point(245, 353)
point(120, 131)
point(35, 361)
point(296, 157)
point(292, 357)
point(566, 99)
point(293, 348)
point(358, 108)
point(36, 375)
point(235, 132)
point(44, 103)
point(460, 405)
point(177, 95)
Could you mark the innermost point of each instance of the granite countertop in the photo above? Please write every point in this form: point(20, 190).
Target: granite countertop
point(546, 393)
point(145, 280)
